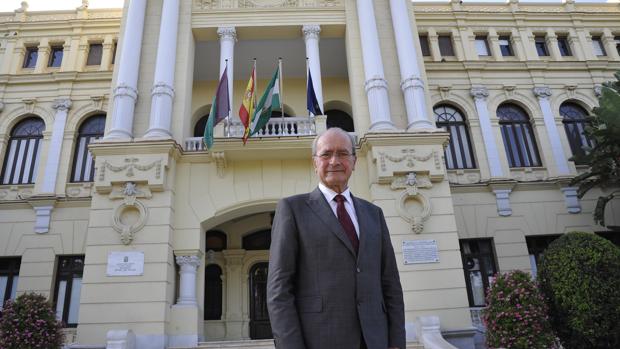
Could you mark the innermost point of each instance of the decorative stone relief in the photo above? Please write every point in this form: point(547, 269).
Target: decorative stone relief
point(502, 192)
point(528, 174)
point(29, 104)
point(131, 164)
point(463, 177)
point(394, 161)
point(16, 192)
point(413, 206)
point(131, 215)
point(79, 190)
point(97, 101)
point(444, 91)
point(571, 90)
point(509, 90)
point(220, 161)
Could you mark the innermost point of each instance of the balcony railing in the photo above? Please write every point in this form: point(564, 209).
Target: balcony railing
point(276, 127)
point(476, 318)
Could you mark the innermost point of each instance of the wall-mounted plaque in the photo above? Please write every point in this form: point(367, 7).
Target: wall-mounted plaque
point(128, 263)
point(420, 251)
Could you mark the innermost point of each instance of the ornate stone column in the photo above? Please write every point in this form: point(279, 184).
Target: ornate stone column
point(311, 38)
point(480, 95)
point(228, 37)
point(411, 81)
point(561, 164)
point(62, 107)
point(187, 284)
point(125, 92)
point(375, 84)
point(162, 93)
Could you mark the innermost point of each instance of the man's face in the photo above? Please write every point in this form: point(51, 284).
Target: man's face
point(333, 161)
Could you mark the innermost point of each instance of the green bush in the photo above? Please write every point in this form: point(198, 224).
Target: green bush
point(29, 322)
point(580, 279)
point(516, 315)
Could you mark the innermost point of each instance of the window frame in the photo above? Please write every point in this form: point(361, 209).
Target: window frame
point(31, 56)
point(18, 141)
point(68, 274)
point(98, 58)
point(461, 130)
point(526, 151)
point(490, 256)
point(598, 46)
point(447, 48)
point(567, 50)
point(505, 49)
point(9, 268)
point(573, 123)
point(81, 154)
point(536, 246)
point(213, 302)
point(425, 46)
point(51, 61)
point(480, 42)
point(540, 42)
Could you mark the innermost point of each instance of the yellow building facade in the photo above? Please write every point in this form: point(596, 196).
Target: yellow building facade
point(465, 116)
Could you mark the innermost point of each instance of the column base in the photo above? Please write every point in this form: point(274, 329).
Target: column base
point(382, 126)
point(158, 133)
point(421, 125)
point(118, 135)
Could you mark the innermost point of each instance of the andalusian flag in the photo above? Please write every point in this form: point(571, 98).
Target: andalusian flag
point(247, 106)
point(220, 108)
point(268, 102)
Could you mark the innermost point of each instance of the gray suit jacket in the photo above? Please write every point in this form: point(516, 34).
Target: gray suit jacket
point(320, 295)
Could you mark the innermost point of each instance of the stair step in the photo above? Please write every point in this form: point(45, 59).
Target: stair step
point(260, 343)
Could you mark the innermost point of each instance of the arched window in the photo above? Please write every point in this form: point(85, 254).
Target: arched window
point(575, 121)
point(22, 156)
point(199, 129)
point(518, 136)
point(261, 240)
point(459, 153)
point(215, 240)
point(83, 164)
point(213, 292)
point(339, 118)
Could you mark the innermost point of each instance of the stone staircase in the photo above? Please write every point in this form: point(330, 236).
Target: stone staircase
point(262, 344)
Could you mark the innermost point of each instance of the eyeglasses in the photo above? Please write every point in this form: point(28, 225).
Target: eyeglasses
point(340, 155)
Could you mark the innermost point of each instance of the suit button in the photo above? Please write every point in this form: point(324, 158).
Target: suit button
point(359, 303)
point(359, 270)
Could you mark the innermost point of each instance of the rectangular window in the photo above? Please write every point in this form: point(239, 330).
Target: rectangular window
point(564, 46)
point(445, 45)
point(541, 46)
point(536, 246)
point(617, 40)
point(56, 53)
point(30, 59)
point(426, 51)
point(94, 54)
point(68, 288)
point(114, 51)
point(597, 45)
point(9, 276)
point(504, 46)
point(482, 46)
point(479, 266)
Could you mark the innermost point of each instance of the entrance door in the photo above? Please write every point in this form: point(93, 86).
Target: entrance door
point(260, 327)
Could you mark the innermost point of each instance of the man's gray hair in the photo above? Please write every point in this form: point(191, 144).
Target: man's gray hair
point(332, 130)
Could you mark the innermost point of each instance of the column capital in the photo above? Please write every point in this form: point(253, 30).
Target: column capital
point(311, 31)
point(479, 93)
point(62, 104)
point(191, 261)
point(542, 92)
point(227, 33)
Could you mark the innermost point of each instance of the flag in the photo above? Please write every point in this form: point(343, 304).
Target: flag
point(311, 101)
point(268, 102)
point(248, 104)
point(220, 108)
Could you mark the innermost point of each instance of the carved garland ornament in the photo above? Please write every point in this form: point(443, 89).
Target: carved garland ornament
point(411, 183)
point(131, 215)
point(130, 165)
point(409, 156)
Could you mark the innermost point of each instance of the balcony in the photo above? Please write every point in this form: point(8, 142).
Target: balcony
point(276, 127)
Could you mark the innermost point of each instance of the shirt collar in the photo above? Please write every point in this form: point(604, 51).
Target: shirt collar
point(330, 194)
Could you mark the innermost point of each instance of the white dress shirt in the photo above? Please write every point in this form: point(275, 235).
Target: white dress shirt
point(348, 204)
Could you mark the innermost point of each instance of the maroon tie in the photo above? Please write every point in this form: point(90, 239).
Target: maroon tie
point(346, 222)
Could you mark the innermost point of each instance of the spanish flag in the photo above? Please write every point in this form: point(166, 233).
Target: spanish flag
point(247, 106)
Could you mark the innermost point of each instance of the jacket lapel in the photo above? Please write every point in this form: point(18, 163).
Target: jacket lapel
point(321, 208)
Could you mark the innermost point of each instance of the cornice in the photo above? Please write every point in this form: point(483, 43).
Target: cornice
point(142, 147)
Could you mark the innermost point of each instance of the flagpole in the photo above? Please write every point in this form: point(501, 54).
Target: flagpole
point(307, 73)
point(281, 95)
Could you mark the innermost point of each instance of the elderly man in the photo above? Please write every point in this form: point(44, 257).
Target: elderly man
point(333, 280)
